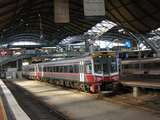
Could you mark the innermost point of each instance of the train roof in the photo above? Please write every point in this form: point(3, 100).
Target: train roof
point(86, 56)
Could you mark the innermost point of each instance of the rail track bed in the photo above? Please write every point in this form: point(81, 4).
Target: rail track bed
point(36, 109)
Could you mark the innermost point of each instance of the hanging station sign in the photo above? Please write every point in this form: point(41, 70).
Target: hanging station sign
point(61, 11)
point(94, 7)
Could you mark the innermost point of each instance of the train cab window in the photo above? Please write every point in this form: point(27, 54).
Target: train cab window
point(88, 68)
point(106, 68)
point(113, 65)
point(98, 68)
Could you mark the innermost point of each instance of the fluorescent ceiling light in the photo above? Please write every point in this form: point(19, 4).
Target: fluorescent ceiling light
point(20, 43)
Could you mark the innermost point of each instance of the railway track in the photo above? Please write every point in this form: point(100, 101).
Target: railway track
point(35, 109)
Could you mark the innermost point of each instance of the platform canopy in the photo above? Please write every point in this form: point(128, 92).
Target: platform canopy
point(30, 17)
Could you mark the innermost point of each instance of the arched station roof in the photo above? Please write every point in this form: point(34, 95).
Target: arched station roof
point(25, 16)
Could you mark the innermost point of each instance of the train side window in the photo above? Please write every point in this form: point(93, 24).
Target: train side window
point(65, 69)
point(156, 65)
point(68, 69)
point(76, 68)
point(56, 68)
point(71, 69)
point(145, 66)
point(53, 68)
point(50, 69)
point(126, 66)
point(39, 69)
point(136, 66)
point(61, 69)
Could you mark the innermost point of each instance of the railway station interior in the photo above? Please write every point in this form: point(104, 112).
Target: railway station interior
point(79, 59)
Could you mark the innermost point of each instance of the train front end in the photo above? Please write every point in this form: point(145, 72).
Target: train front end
point(105, 71)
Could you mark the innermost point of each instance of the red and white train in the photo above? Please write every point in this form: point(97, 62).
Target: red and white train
point(92, 73)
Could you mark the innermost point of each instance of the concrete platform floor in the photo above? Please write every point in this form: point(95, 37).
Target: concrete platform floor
point(82, 106)
point(3, 115)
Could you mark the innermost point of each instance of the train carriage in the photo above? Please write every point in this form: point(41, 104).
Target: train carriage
point(145, 68)
point(92, 72)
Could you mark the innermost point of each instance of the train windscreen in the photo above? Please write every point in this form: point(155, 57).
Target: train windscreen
point(114, 65)
point(105, 65)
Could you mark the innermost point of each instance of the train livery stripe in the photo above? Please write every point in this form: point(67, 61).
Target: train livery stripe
point(3, 115)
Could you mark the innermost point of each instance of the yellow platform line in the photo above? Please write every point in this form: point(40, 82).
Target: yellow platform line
point(3, 115)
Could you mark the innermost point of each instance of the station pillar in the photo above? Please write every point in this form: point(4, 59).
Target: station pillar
point(136, 91)
point(19, 65)
point(19, 69)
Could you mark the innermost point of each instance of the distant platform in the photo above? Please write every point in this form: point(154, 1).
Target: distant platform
point(154, 84)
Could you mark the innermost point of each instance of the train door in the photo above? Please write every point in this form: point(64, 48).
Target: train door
point(37, 71)
point(42, 71)
point(89, 71)
point(82, 75)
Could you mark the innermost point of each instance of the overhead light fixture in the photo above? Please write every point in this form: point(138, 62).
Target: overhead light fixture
point(101, 28)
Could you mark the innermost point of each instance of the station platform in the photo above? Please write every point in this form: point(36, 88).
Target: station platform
point(9, 108)
point(82, 106)
point(136, 84)
point(155, 84)
point(3, 115)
